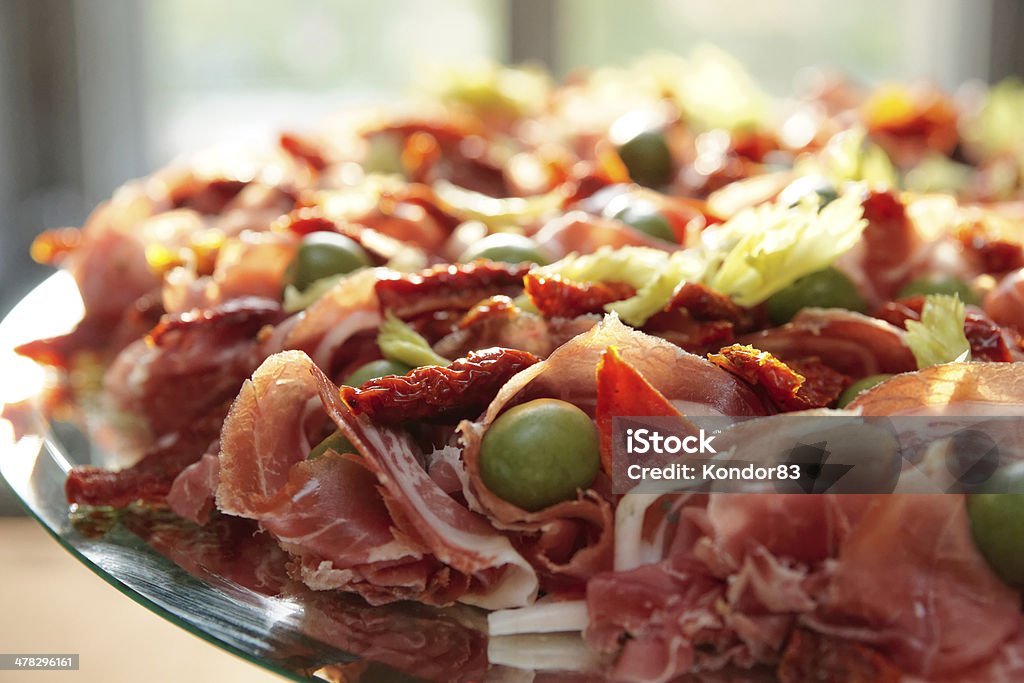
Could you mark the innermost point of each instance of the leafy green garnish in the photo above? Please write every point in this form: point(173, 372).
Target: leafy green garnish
point(766, 248)
point(996, 127)
point(654, 295)
point(401, 343)
point(939, 336)
point(295, 300)
point(850, 157)
point(757, 253)
point(492, 211)
point(715, 91)
point(488, 87)
point(633, 265)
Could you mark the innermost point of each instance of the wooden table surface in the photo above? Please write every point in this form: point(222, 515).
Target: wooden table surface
point(53, 604)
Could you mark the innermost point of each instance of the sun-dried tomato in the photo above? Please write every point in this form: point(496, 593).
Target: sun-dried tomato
point(796, 385)
point(988, 343)
point(232, 320)
point(555, 297)
point(303, 149)
point(207, 196)
point(150, 479)
point(704, 303)
point(447, 287)
point(813, 657)
point(461, 390)
point(489, 309)
point(995, 254)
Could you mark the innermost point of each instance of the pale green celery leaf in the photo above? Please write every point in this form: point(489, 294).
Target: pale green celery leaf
point(996, 127)
point(633, 265)
point(656, 293)
point(768, 247)
point(938, 173)
point(715, 91)
point(401, 343)
point(486, 86)
point(295, 301)
point(850, 157)
point(496, 212)
point(939, 336)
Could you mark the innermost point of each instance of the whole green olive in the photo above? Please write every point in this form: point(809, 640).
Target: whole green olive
point(826, 288)
point(540, 453)
point(335, 442)
point(646, 218)
point(505, 247)
point(322, 254)
point(997, 523)
point(857, 388)
point(647, 157)
point(943, 285)
point(373, 370)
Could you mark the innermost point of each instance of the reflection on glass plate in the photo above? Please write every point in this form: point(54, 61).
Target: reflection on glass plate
point(223, 582)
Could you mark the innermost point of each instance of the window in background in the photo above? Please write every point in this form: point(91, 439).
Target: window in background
point(239, 69)
point(871, 40)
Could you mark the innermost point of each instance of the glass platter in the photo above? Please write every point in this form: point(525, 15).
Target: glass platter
point(223, 582)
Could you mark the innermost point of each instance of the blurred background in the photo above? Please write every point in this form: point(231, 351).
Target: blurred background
point(95, 92)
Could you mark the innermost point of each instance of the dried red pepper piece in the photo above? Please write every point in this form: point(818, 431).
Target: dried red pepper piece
point(447, 287)
point(150, 479)
point(461, 390)
point(704, 303)
point(988, 343)
point(623, 391)
point(556, 297)
point(303, 149)
point(796, 385)
point(813, 657)
point(232, 320)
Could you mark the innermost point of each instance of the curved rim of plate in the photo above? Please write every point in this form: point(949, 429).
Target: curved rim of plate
point(43, 297)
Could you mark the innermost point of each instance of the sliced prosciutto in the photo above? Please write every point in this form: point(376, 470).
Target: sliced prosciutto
point(372, 522)
point(855, 345)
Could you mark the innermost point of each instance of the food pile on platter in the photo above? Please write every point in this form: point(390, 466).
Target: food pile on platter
point(397, 343)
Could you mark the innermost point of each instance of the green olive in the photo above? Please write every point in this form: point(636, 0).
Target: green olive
point(828, 288)
point(375, 369)
point(858, 387)
point(505, 247)
point(645, 217)
point(540, 453)
point(335, 442)
point(806, 186)
point(945, 285)
point(647, 158)
point(322, 254)
point(997, 523)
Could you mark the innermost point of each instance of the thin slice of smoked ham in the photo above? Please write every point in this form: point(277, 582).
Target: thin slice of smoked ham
point(953, 388)
point(373, 522)
point(853, 344)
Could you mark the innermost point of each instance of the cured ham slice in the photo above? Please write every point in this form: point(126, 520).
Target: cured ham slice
point(253, 264)
point(584, 234)
point(345, 310)
point(373, 522)
point(191, 365)
point(938, 607)
point(853, 344)
point(954, 388)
